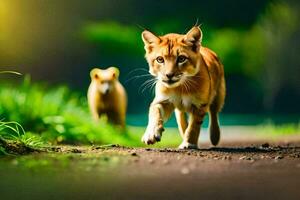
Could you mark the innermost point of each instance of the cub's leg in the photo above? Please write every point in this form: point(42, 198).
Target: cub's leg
point(158, 113)
point(192, 132)
point(214, 109)
point(116, 117)
point(96, 113)
point(181, 121)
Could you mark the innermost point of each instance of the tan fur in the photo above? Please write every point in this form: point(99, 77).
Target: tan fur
point(106, 96)
point(190, 79)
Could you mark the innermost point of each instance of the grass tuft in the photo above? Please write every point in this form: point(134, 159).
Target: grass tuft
point(14, 140)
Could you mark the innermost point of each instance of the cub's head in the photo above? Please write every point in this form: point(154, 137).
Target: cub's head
point(105, 79)
point(173, 58)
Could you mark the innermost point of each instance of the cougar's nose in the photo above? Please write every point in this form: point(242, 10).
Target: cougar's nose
point(170, 75)
point(106, 91)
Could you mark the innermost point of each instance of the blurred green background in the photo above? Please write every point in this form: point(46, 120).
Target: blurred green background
point(58, 42)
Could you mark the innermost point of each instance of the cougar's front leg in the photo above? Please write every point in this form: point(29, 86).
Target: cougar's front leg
point(158, 113)
point(192, 132)
point(181, 121)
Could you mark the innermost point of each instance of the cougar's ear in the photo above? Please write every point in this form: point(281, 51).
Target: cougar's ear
point(115, 72)
point(149, 38)
point(95, 73)
point(193, 38)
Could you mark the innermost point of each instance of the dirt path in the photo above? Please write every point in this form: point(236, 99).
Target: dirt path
point(233, 171)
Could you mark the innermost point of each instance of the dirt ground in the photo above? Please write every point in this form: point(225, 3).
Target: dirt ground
point(237, 170)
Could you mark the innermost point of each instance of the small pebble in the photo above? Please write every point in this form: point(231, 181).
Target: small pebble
point(242, 158)
point(246, 158)
point(134, 154)
point(265, 145)
point(56, 149)
point(76, 151)
point(185, 170)
point(278, 157)
point(151, 161)
point(227, 158)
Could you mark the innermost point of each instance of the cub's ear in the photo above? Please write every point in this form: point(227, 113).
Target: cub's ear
point(149, 38)
point(95, 73)
point(115, 72)
point(194, 38)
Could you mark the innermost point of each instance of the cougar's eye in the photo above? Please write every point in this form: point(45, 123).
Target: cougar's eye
point(160, 59)
point(181, 59)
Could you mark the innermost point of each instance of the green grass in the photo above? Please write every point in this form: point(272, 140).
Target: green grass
point(57, 115)
point(277, 130)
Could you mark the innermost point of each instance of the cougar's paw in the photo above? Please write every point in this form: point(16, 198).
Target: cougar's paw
point(152, 134)
point(186, 145)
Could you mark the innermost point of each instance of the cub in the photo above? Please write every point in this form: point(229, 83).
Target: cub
point(106, 96)
point(190, 80)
